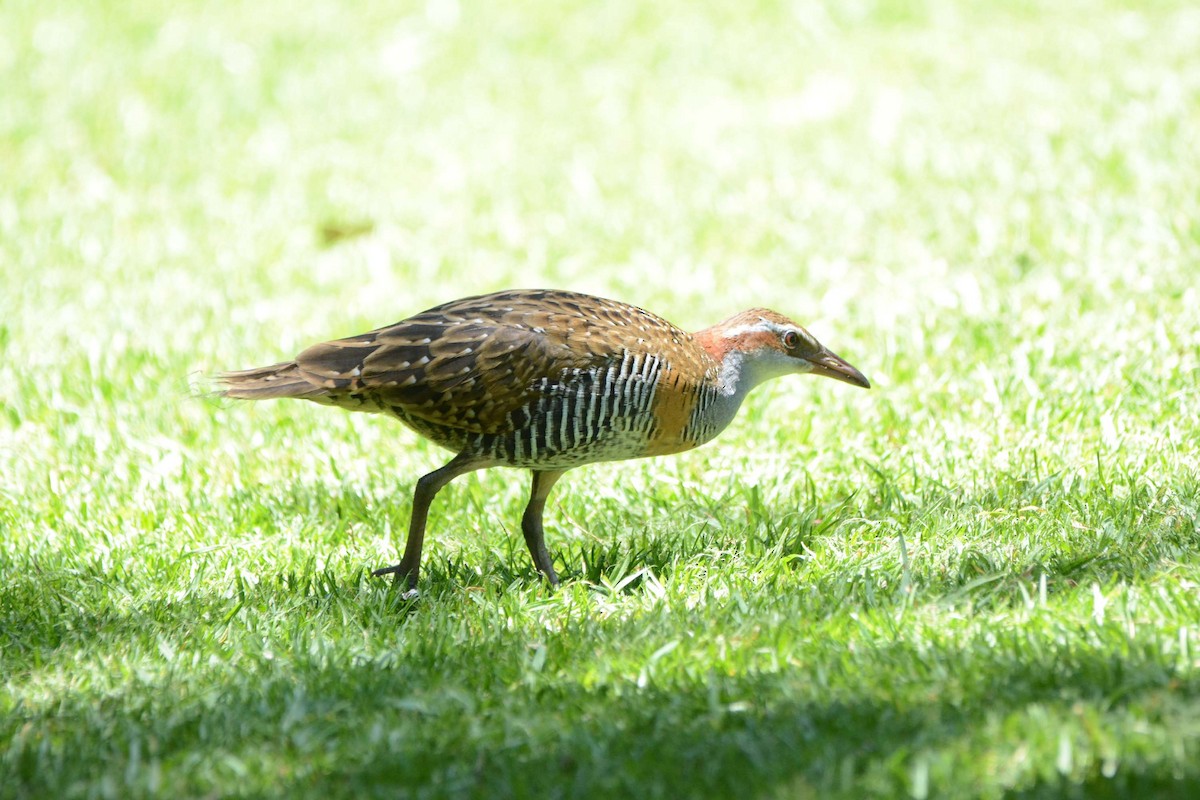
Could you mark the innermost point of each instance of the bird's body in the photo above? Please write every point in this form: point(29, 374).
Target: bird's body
point(547, 381)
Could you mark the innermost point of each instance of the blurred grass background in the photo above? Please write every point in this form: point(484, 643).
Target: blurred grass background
point(978, 578)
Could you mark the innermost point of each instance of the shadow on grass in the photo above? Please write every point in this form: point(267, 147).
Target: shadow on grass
point(424, 723)
point(569, 741)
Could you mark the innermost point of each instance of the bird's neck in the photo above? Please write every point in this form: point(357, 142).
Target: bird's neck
point(736, 373)
point(738, 369)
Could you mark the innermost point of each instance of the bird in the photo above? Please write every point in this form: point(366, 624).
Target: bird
point(545, 380)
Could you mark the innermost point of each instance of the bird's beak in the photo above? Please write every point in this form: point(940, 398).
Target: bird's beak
point(831, 365)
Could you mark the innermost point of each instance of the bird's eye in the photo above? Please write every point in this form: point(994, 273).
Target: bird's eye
point(791, 340)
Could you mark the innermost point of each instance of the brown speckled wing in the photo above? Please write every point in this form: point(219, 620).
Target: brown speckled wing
point(468, 364)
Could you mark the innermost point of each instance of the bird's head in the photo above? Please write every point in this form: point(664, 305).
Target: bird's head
point(760, 344)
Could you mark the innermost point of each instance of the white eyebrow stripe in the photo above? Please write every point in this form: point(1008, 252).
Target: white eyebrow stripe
point(761, 327)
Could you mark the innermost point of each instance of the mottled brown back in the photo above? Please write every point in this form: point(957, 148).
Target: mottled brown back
point(469, 364)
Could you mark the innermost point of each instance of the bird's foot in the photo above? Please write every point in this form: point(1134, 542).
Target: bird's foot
point(403, 574)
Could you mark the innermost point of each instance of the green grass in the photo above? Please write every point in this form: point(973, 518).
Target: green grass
point(981, 578)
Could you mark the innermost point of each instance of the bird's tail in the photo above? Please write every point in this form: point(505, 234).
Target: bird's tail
point(263, 383)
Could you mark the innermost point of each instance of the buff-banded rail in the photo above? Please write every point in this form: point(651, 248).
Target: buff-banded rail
point(544, 380)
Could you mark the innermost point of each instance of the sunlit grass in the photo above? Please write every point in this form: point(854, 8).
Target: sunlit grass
point(978, 579)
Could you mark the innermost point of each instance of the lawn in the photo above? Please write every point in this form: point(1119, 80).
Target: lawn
point(979, 579)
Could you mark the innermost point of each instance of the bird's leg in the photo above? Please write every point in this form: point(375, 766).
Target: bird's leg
point(427, 487)
point(531, 522)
